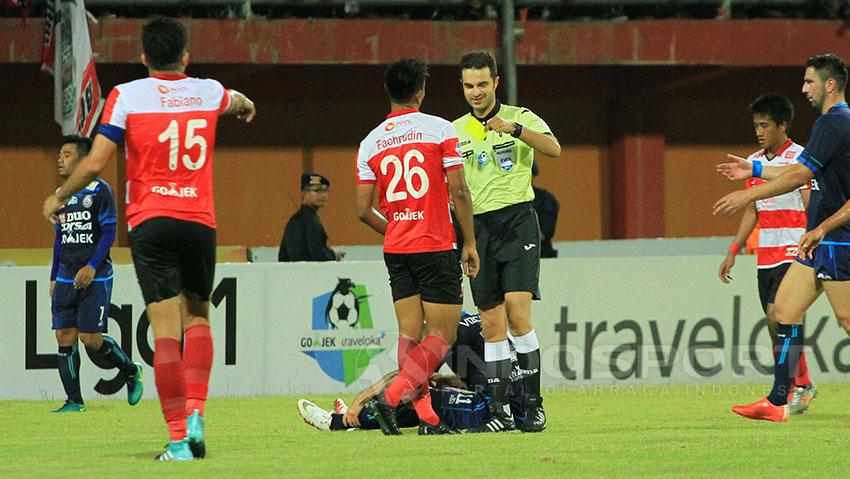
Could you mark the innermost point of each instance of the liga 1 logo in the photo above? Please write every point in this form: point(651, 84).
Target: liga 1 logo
point(343, 339)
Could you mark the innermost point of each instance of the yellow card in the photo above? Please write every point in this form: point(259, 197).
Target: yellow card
point(476, 129)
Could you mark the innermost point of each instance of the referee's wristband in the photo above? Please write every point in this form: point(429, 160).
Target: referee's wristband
point(757, 168)
point(734, 248)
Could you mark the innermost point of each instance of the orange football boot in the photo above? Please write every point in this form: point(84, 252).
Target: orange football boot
point(764, 410)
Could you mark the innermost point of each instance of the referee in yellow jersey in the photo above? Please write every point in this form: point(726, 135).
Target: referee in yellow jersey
point(498, 143)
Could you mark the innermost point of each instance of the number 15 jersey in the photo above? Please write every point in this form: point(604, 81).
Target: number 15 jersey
point(407, 157)
point(168, 122)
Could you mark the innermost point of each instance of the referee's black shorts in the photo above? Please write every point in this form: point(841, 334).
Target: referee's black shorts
point(436, 277)
point(509, 248)
point(173, 256)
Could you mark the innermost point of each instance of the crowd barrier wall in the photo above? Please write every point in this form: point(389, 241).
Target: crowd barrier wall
point(283, 329)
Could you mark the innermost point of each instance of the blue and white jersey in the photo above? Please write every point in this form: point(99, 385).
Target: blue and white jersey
point(79, 229)
point(827, 154)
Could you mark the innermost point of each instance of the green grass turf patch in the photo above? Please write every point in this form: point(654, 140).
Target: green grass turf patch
point(597, 432)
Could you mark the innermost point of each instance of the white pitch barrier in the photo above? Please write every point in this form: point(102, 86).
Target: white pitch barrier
point(301, 328)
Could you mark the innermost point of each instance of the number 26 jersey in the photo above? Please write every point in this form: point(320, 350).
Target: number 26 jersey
point(168, 123)
point(407, 157)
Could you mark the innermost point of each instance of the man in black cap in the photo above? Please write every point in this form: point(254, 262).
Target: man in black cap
point(304, 238)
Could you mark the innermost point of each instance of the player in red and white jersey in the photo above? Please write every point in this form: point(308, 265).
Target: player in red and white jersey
point(168, 123)
point(781, 221)
point(412, 159)
point(407, 157)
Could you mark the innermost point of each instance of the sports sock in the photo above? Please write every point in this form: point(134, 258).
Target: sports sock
point(424, 408)
point(171, 385)
point(405, 345)
point(497, 367)
point(112, 352)
point(69, 372)
point(422, 402)
point(336, 423)
point(197, 363)
point(803, 379)
point(415, 372)
point(789, 344)
point(528, 357)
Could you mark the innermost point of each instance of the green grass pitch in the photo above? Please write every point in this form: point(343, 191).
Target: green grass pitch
point(643, 431)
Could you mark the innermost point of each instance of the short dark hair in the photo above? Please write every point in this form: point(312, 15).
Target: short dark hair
point(829, 65)
point(164, 41)
point(478, 60)
point(776, 106)
point(404, 78)
point(83, 144)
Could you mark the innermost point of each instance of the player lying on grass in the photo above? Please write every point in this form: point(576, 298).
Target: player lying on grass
point(459, 399)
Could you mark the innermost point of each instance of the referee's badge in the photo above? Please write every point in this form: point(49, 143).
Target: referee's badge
point(482, 159)
point(505, 158)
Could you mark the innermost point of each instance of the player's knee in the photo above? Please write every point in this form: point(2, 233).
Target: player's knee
point(92, 341)
point(66, 337)
point(844, 320)
point(783, 315)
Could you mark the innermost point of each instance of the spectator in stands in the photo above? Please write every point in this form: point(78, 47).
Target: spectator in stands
point(304, 238)
point(546, 206)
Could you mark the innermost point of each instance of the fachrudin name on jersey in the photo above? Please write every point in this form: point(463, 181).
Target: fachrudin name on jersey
point(178, 192)
point(410, 136)
point(78, 238)
point(408, 215)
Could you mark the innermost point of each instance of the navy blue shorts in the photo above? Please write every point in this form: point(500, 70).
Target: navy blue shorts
point(831, 261)
point(85, 309)
point(460, 409)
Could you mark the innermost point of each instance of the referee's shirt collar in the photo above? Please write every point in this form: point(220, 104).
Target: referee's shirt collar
point(493, 112)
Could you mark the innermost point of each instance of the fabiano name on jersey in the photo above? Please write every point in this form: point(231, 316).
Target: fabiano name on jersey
point(497, 165)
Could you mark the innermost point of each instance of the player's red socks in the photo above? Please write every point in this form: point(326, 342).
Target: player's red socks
point(415, 372)
point(405, 345)
point(197, 363)
point(171, 385)
point(424, 409)
point(802, 378)
point(422, 403)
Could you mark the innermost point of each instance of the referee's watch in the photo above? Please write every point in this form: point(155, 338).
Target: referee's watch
point(517, 130)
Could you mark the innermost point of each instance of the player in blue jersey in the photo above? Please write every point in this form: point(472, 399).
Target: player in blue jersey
point(81, 280)
point(459, 400)
point(823, 263)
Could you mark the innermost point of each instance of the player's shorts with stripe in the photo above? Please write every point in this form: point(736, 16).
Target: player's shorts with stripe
point(509, 248)
point(435, 276)
point(173, 256)
point(769, 279)
point(86, 309)
point(830, 260)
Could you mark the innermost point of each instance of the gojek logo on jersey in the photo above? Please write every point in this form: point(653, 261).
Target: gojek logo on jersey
point(343, 340)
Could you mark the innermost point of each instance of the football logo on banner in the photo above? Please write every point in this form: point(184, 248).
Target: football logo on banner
point(343, 340)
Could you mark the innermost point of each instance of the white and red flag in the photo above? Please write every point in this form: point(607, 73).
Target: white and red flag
point(67, 55)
